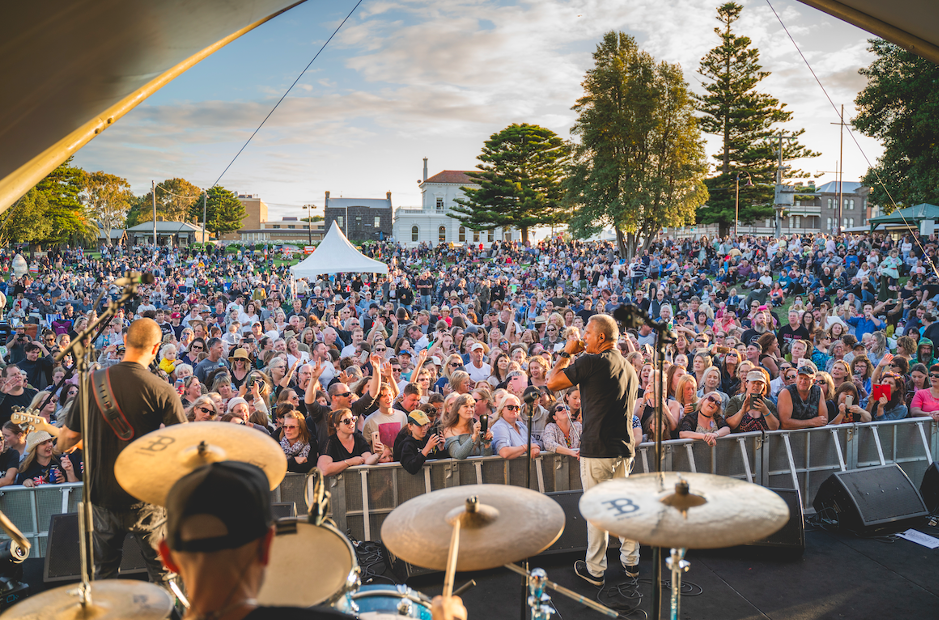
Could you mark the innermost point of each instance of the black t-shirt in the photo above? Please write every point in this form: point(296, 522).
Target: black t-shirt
point(146, 403)
point(295, 613)
point(786, 334)
point(337, 452)
point(9, 401)
point(9, 460)
point(608, 388)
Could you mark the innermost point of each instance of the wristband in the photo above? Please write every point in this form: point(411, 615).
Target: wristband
point(564, 354)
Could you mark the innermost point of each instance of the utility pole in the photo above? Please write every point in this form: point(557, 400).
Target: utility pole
point(153, 191)
point(205, 195)
point(777, 194)
point(840, 173)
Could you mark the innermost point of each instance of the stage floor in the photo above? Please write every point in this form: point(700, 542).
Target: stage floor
point(838, 577)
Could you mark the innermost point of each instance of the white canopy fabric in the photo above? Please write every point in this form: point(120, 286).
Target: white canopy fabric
point(336, 255)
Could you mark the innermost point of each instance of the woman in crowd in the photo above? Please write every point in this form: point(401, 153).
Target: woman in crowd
point(452, 364)
point(461, 430)
point(893, 408)
point(700, 363)
point(500, 368)
point(192, 390)
point(43, 466)
point(413, 450)
point(346, 447)
point(753, 410)
point(537, 371)
point(847, 409)
point(919, 380)
point(861, 371)
point(562, 435)
point(769, 358)
point(203, 409)
point(705, 422)
point(827, 384)
point(240, 363)
point(686, 397)
point(571, 398)
point(711, 384)
point(729, 381)
point(48, 409)
point(295, 442)
point(14, 451)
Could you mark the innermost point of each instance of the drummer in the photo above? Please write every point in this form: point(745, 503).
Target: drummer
point(219, 531)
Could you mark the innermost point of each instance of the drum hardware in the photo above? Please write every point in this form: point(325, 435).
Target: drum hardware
point(544, 582)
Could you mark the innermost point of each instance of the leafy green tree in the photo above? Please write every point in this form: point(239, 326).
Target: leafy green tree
point(639, 162)
point(224, 212)
point(174, 200)
point(108, 199)
point(745, 119)
point(900, 107)
point(25, 221)
point(70, 222)
point(519, 175)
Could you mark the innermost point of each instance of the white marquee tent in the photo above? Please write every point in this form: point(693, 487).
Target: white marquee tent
point(336, 255)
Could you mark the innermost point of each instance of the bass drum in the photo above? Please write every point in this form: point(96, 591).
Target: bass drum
point(310, 565)
point(385, 602)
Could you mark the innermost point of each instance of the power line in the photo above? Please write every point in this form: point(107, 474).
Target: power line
point(286, 93)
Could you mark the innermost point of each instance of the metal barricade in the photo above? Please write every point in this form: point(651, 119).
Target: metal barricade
point(30, 509)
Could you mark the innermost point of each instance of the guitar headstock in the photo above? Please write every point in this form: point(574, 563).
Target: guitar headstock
point(32, 421)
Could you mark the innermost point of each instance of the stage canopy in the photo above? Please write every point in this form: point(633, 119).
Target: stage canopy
point(909, 217)
point(72, 69)
point(336, 255)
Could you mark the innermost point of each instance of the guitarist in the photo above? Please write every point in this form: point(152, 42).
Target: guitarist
point(142, 403)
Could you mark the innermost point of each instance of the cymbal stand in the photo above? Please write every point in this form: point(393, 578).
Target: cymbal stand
point(82, 356)
point(679, 565)
point(544, 582)
point(538, 601)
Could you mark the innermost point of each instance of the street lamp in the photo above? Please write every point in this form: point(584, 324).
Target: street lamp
point(309, 223)
point(737, 199)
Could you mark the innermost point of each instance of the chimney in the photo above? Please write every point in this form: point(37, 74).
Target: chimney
point(326, 204)
point(388, 196)
point(425, 169)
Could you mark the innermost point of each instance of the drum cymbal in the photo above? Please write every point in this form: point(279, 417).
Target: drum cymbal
point(509, 524)
point(716, 512)
point(150, 465)
point(111, 599)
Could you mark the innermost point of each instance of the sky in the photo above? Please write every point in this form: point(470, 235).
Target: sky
point(408, 79)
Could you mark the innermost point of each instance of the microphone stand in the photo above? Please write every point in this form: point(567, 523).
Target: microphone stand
point(82, 357)
point(531, 422)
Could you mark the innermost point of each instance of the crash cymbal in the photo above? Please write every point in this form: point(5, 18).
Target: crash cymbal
point(111, 599)
point(150, 465)
point(507, 524)
point(716, 512)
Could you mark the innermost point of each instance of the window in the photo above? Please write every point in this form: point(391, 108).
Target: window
point(439, 204)
point(339, 221)
point(829, 203)
point(795, 222)
point(475, 236)
point(829, 225)
point(442, 234)
point(507, 234)
point(851, 221)
point(358, 221)
point(852, 204)
point(278, 225)
point(291, 226)
point(415, 233)
point(492, 234)
point(462, 234)
point(844, 222)
point(377, 221)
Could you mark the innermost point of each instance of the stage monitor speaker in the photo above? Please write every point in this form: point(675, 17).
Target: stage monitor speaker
point(790, 540)
point(874, 501)
point(62, 562)
point(283, 510)
point(574, 536)
point(403, 570)
point(929, 489)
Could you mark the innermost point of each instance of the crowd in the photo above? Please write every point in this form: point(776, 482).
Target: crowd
point(433, 360)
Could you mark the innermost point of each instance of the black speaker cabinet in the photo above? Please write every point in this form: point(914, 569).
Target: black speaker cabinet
point(283, 510)
point(62, 561)
point(929, 489)
point(874, 501)
point(403, 570)
point(574, 536)
point(790, 540)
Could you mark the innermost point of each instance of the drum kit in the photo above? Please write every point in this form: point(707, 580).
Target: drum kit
point(465, 528)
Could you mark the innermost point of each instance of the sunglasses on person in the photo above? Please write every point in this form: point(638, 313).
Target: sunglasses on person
point(291, 426)
point(195, 348)
point(343, 394)
point(205, 410)
point(380, 349)
point(393, 369)
point(713, 399)
point(512, 407)
point(347, 421)
point(456, 365)
point(933, 376)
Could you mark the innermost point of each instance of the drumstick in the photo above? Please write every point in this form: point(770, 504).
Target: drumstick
point(13, 532)
point(451, 560)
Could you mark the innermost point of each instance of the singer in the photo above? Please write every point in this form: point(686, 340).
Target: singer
point(608, 388)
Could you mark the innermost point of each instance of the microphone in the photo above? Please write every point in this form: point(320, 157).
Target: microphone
point(134, 277)
point(531, 394)
point(631, 316)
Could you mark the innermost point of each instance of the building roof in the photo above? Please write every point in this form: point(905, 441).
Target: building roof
point(848, 187)
point(371, 203)
point(456, 177)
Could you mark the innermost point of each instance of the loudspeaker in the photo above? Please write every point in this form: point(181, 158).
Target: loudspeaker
point(790, 540)
point(574, 536)
point(874, 501)
point(403, 570)
point(282, 510)
point(62, 561)
point(929, 489)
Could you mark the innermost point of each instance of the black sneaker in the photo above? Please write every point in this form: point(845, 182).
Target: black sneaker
point(580, 567)
point(631, 571)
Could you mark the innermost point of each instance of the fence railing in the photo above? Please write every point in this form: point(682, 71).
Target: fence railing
point(363, 496)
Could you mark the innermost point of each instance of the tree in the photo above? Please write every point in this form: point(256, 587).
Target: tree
point(519, 176)
point(745, 120)
point(108, 199)
point(224, 212)
point(26, 220)
point(639, 162)
point(175, 198)
point(69, 220)
point(900, 107)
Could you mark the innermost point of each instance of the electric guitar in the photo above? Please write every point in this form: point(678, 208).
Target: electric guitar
point(32, 421)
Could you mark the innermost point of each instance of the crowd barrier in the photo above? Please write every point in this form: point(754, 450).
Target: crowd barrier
point(361, 497)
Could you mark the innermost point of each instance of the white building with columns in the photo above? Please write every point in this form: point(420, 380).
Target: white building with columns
point(431, 224)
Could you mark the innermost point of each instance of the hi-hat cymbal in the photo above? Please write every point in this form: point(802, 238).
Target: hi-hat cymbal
point(716, 512)
point(149, 466)
point(111, 599)
point(506, 525)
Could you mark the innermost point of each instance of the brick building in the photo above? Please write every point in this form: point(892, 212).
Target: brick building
point(360, 219)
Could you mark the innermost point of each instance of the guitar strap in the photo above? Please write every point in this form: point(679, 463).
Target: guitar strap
point(107, 404)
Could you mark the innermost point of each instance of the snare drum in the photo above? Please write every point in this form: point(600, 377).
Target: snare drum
point(310, 565)
point(385, 602)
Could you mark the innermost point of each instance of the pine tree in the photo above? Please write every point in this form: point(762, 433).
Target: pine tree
point(745, 120)
point(224, 212)
point(519, 175)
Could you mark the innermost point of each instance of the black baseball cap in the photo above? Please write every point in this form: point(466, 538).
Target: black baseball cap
point(231, 500)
